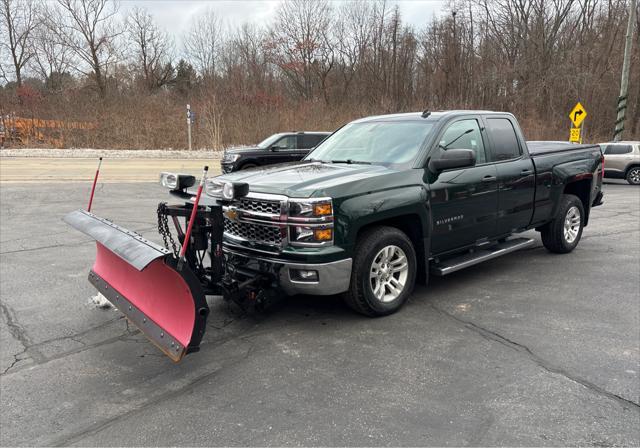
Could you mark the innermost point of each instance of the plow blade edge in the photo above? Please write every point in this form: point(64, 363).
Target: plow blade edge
point(142, 280)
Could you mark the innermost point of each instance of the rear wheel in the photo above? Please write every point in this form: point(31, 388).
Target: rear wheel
point(633, 175)
point(384, 272)
point(563, 234)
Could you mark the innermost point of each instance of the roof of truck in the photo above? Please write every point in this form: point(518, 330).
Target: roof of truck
point(435, 115)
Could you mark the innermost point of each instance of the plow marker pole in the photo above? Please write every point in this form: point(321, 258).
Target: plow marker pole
point(93, 188)
point(187, 235)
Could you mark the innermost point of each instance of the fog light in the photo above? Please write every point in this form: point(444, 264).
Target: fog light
point(303, 275)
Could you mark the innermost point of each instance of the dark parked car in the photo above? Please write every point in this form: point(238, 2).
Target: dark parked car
point(279, 148)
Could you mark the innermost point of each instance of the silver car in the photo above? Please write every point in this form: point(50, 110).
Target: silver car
point(622, 161)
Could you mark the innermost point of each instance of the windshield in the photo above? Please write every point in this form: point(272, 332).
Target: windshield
point(269, 141)
point(376, 142)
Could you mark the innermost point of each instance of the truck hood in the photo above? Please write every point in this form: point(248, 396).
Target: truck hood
point(308, 179)
point(244, 149)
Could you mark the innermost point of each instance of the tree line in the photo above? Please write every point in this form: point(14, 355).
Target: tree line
point(318, 65)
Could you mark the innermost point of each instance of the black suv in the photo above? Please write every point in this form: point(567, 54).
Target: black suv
point(279, 148)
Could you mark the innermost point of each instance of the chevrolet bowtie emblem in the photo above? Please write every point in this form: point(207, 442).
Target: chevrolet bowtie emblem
point(231, 214)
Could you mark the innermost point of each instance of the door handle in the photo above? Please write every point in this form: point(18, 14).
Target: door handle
point(489, 178)
point(526, 172)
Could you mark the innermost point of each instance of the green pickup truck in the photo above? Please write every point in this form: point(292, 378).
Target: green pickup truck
point(380, 204)
point(388, 200)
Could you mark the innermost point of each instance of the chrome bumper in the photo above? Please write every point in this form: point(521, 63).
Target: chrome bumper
point(333, 278)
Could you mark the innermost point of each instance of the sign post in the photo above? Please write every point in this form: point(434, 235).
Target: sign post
point(189, 124)
point(577, 116)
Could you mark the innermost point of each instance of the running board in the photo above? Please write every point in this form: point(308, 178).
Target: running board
point(478, 256)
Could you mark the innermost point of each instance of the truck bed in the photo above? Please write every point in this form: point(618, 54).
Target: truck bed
point(539, 147)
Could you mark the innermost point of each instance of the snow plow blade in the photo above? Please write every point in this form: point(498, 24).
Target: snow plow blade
point(142, 280)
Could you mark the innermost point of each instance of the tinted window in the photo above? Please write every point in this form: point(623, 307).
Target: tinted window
point(288, 142)
point(617, 149)
point(464, 134)
point(504, 139)
point(311, 140)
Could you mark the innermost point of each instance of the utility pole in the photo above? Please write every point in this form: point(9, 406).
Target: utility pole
point(626, 66)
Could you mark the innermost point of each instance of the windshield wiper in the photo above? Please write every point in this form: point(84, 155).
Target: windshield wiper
point(351, 162)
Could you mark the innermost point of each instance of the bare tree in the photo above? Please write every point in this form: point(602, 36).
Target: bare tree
point(18, 24)
point(300, 44)
point(89, 28)
point(203, 42)
point(152, 49)
point(51, 58)
point(3, 73)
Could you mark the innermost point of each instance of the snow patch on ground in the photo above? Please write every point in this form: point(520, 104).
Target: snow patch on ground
point(101, 302)
point(112, 153)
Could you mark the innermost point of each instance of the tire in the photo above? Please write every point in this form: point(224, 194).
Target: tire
point(246, 166)
point(633, 175)
point(563, 234)
point(386, 246)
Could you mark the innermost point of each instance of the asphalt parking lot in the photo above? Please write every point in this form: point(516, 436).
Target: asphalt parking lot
point(529, 349)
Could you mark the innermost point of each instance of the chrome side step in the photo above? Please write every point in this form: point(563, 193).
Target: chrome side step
point(459, 262)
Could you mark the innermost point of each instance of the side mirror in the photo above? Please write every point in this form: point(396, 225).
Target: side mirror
point(453, 158)
point(276, 148)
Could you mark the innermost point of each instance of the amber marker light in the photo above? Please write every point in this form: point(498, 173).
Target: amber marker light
point(323, 234)
point(322, 209)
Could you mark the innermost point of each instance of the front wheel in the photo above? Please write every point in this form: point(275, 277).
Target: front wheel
point(562, 234)
point(384, 272)
point(633, 175)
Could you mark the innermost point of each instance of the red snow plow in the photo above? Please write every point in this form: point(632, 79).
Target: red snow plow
point(162, 290)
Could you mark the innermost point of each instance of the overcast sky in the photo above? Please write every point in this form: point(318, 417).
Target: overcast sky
point(174, 15)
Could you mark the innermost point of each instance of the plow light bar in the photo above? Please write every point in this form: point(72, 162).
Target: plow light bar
point(175, 181)
point(226, 190)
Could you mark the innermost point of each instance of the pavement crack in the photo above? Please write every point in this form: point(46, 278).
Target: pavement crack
point(16, 359)
point(162, 397)
point(544, 364)
point(75, 336)
point(18, 332)
point(44, 360)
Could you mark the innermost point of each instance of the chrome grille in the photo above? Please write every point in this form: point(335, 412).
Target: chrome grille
point(253, 232)
point(259, 205)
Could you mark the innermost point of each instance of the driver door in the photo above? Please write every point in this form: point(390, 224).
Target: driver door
point(464, 201)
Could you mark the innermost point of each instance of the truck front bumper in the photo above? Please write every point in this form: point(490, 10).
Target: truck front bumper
point(331, 278)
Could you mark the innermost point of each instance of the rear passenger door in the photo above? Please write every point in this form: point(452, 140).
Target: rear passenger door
point(516, 174)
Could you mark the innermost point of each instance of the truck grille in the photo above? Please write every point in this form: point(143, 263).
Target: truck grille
point(253, 232)
point(258, 205)
point(263, 208)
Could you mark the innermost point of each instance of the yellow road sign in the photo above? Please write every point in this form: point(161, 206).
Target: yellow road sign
point(577, 115)
point(574, 135)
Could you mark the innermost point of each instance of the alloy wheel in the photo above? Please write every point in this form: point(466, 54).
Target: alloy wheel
point(388, 274)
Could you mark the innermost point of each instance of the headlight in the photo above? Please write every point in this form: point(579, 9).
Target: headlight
point(317, 209)
point(226, 190)
point(305, 234)
point(176, 181)
point(230, 157)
